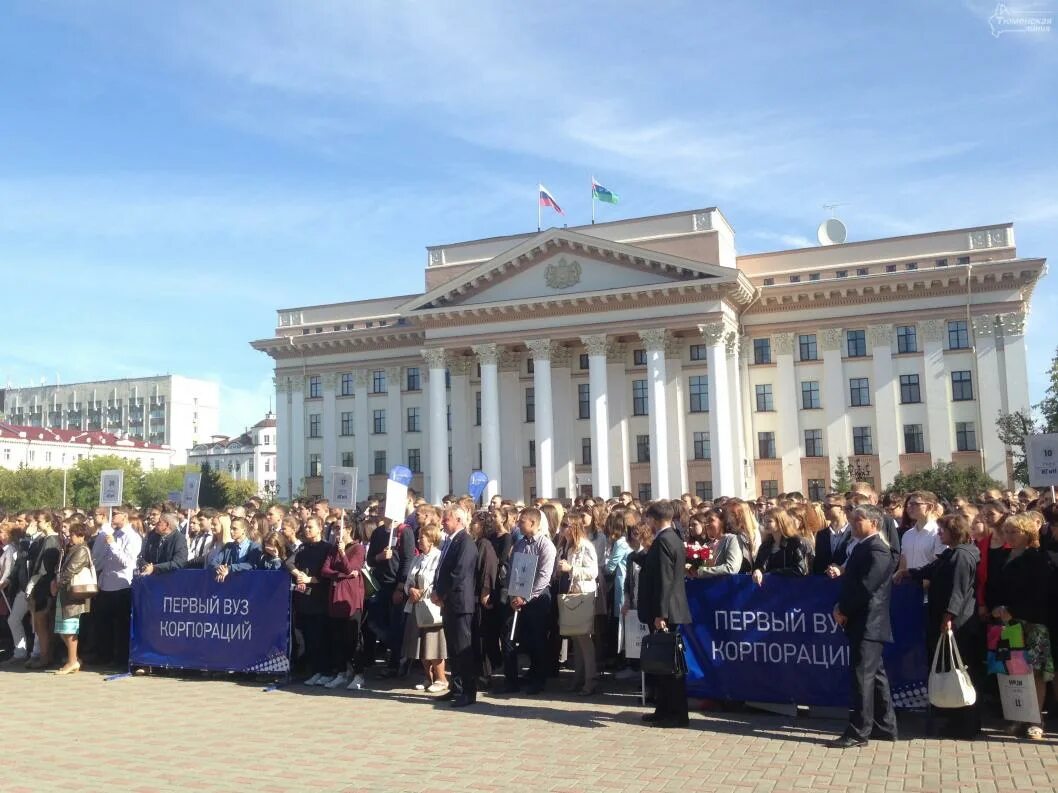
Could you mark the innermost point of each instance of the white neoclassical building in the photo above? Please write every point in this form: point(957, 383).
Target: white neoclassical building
point(250, 456)
point(647, 355)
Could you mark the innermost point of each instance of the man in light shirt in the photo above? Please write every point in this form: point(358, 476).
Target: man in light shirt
point(114, 555)
point(920, 544)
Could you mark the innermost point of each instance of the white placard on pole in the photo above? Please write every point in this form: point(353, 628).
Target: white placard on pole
point(343, 487)
point(522, 575)
point(111, 487)
point(1017, 693)
point(396, 501)
point(1041, 453)
point(192, 486)
point(634, 631)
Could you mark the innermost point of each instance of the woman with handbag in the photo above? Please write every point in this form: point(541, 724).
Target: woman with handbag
point(423, 637)
point(73, 587)
point(579, 560)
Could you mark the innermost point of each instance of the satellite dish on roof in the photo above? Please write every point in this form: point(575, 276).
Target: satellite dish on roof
point(831, 232)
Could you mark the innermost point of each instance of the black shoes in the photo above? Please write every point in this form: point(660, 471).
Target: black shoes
point(847, 742)
point(463, 702)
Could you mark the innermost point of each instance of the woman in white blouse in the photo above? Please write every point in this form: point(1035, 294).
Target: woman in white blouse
point(423, 637)
point(581, 562)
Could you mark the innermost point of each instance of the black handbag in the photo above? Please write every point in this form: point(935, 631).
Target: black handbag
point(662, 654)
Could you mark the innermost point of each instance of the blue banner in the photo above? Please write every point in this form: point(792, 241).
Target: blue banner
point(186, 619)
point(476, 484)
point(779, 643)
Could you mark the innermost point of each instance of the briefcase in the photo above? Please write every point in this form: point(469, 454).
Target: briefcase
point(662, 654)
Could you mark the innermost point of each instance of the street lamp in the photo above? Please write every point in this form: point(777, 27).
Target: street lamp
point(860, 469)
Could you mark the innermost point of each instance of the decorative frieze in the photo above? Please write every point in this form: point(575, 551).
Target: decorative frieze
point(561, 355)
point(984, 325)
point(829, 339)
point(615, 353)
point(1012, 324)
point(361, 377)
point(880, 335)
point(782, 343)
point(988, 238)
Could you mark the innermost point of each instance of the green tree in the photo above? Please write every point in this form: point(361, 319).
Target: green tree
point(30, 488)
point(947, 480)
point(1012, 429)
point(237, 491)
point(842, 481)
point(1048, 407)
point(211, 492)
point(156, 486)
point(84, 479)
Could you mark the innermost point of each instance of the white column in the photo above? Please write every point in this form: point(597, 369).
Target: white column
point(617, 404)
point(394, 419)
point(297, 434)
point(511, 414)
point(489, 357)
point(461, 404)
point(1015, 369)
point(888, 429)
point(543, 421)
point(436, 478)
point(788, 438)
point(749, 434)
point(833, 393)
point(988, 398)
point(740, 462)
point(284, 430)
point(654, 339)
point(930, 333)
point(677, 412)
point(361, 438)
point(330, 429)
point(720, 416)
point(562, 413)
point(600, 420)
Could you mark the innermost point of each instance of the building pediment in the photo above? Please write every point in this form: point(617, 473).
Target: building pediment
point(557, 264)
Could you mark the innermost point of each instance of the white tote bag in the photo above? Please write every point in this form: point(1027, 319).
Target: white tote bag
point(949, 683)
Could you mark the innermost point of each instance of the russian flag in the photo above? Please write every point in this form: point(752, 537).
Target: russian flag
point(548, 200)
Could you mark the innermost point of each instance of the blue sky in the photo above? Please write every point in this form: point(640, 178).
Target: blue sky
point(172, 173)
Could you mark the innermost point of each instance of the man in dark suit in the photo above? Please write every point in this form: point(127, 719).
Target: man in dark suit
point(170, 552)
point(663, 606)
point(453, 591)
point(831, 548)
point(863, 610)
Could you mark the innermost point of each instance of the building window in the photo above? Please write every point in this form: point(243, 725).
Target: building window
point(856, 343)
point(448, 416)
point(769, 488)
point(940, 263)
point(906, 339)
point(415, 461)
point(859, 392)
point(698, 352)
point(530, 405)
point(414, 382)
point(704, 490)
point(642, 448)
point(958, 335)
point(315, 387)
point(639, 357)
point(347, 384)
point(817, 489)
point(698, 386)
point(414, 422)
point(965, 437)
point(890, 268)
point(963, 260)
point(795, 279)
point(861, 441)
point(909, 389)
point(380, 463)
point(841, 274)
point(765, 403)
point(530, 365)
point(911, 266)
point(583, 361)
point(913, 443)
point(813, 443)
point(477, 408)
point(347, 422)
point(585, 451)
point(644, 492)
point(448, 380)
point(701, 446)
point(807, 347)
point(863, 271)
point(378, 381)
point(810, 395)
point(315, 465)
point(962, 387)
point(347, 461)
point(762, 351)
point(766, 445)
point(583, 401)
point(532, 454)
point(379, 425)
point(314, 425)
point(769, 282)
point(813, 276)
point(640, 401)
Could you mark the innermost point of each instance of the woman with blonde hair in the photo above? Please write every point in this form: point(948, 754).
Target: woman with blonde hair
point(423, 637)
point(783, 551)
point(747, 530)
point(578, 559)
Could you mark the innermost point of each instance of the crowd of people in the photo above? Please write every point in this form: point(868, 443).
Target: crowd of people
point(427, 598)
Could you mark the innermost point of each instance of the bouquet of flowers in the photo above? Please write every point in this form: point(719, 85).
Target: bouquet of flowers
point(697, 556)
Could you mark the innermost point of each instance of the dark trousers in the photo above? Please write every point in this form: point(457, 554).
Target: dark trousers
point(533, 622)
point(493, 621)
point(459, 636)
point(872, 703)
point(670, 697)
point(345, 644)
point(314, 629)
point(113, 612)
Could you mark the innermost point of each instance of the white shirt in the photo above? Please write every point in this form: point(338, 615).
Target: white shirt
point(919, 547)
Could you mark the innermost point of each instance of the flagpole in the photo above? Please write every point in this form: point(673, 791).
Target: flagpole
point(539, 188)
point(593, 200)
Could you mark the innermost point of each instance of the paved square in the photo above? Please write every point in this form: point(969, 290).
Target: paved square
point(192, 734)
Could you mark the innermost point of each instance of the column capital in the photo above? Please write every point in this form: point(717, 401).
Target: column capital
point(984, 325)
point(596, 343)
point(830, 338)
point(713, 332)
point(281, 384)
point(1012, 324)
point(487, 353)
point(297, 384)
point(435, 357)
point(931, 329)
point(654, 338)
point(732, 343)
point(880, 335)
point(360, 378)
point(615, 353)
point(783, 343)
point(539, 349)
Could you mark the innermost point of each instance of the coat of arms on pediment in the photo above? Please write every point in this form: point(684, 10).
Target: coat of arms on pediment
point(562, 274)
